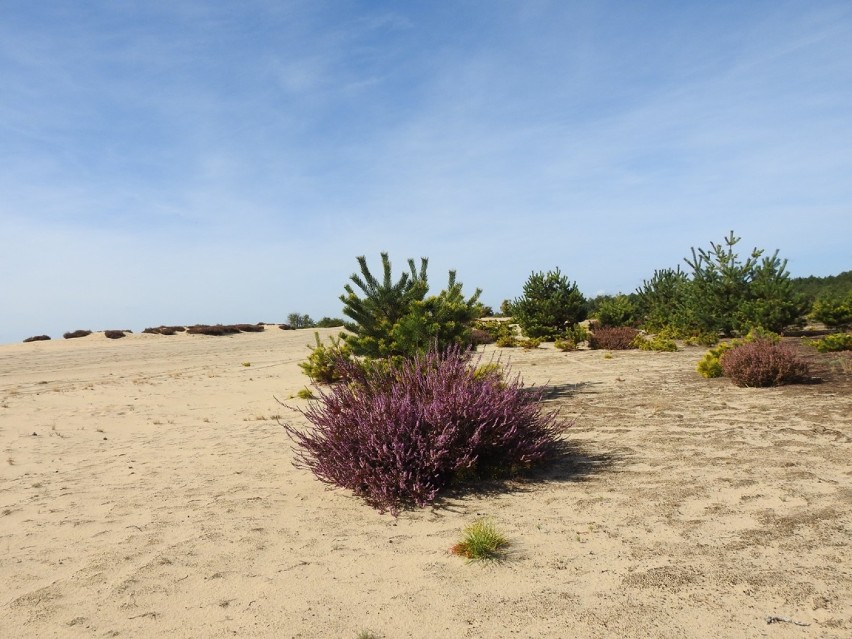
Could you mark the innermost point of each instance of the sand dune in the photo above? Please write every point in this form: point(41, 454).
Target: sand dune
point(147, 490)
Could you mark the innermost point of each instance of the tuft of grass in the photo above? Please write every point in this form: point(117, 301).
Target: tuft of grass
point(366, 634)
point(305, 393)
point(246, 364)
point(481, 541)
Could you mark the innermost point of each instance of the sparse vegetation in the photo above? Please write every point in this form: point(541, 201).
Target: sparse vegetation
point(115, 334)
point(37, 338)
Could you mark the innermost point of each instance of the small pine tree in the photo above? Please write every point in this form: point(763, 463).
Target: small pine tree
point(393, 319)
point(549, 305)
point(662, 301)
point(729, 295)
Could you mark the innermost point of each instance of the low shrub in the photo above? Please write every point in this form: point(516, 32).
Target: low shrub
point(286, 327)
point(565, 345)
point(507, 341)
point(833, 343)
point(250, 328)
point(701, 339)
point(613, 338)
point(761, 363)
point(479, 337)
point(115, 334)
point(329, 322)
point(656, 343)
point(397, 435)
point(164, 330)
point(37, 338)
point(710, 365)
point(576, 333)
point(481, 541)
point(323, 364)
point(530, 343)
point(75, 334)
point(217, 329)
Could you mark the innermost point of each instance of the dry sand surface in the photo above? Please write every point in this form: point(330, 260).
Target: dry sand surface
point(147, 490)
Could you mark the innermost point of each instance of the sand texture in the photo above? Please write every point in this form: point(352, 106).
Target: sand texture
point(146, 490)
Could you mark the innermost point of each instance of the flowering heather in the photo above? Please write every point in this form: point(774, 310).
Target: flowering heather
point(763, 363)
point(614, 338)
point(397, 435)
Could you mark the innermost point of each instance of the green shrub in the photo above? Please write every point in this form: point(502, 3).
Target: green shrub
point(710, 365)
point(507, 341)
point(833, 343)
point(329, 322)
point(323, 364)
point(702, 339)
point(833, 311)
point(300, 321)
point(396, 319)
point(550, 303)
point(576, 333)
point(565, 345)
point(481, 540)
point(615, 311)
point(530, 343)
point(656, 343)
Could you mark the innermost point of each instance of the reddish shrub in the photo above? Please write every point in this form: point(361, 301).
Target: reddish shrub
point(763, 363)
point(163, 330)
point(479, 336)
point(73, 334)
point(37, 338)
point(614, 338)
point(218, 329)
point(397, 435)
point(115, 334)
point(250, 328)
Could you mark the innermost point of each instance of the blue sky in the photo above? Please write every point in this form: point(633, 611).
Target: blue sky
point(183, 162)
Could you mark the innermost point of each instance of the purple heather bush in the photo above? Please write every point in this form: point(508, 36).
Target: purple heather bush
point(614, 338)
point(398, 434)
point(763, 363)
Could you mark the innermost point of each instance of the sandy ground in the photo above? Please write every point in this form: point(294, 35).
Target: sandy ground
point(146, 490)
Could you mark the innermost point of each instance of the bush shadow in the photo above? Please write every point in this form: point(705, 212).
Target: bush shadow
point(572, 463)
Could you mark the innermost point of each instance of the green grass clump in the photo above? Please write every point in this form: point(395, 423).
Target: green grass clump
point(481, 541)
point(305, 393)
point(833, 343)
